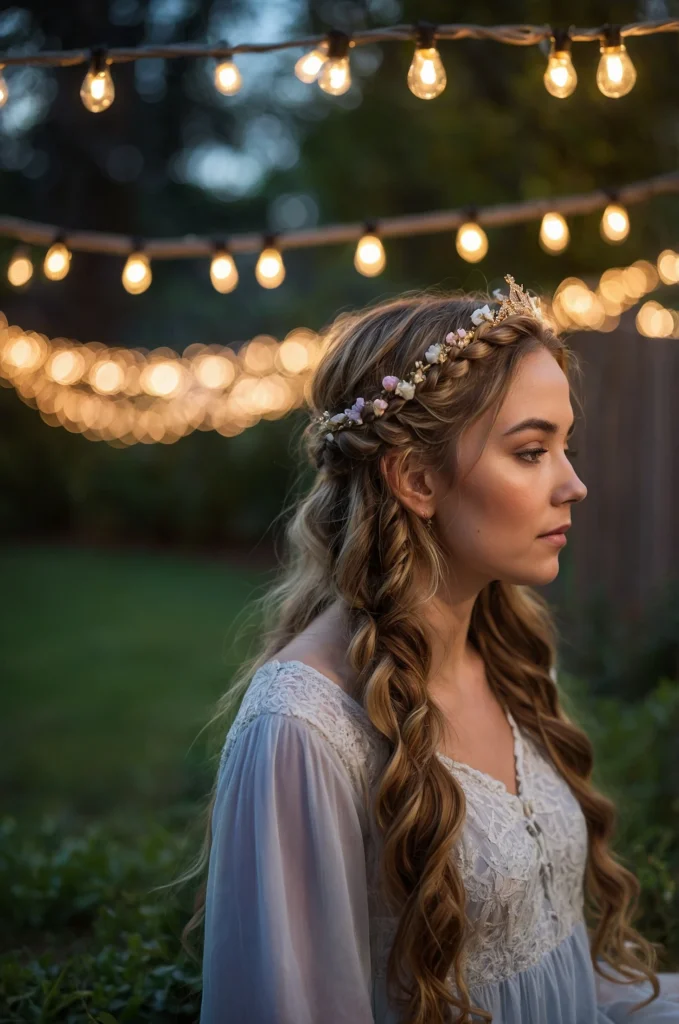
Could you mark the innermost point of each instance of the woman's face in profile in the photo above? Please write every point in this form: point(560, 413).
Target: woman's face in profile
point(513, 484)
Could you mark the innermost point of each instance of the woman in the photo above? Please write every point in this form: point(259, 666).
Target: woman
point(403, 826)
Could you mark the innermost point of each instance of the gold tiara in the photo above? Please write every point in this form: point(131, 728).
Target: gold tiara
point(518, 301)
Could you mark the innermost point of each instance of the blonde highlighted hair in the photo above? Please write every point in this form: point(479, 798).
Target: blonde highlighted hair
point(349, 538)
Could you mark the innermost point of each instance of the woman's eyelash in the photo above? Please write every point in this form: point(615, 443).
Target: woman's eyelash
point(540, 451)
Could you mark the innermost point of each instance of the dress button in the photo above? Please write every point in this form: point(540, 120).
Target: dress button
point(527, 807)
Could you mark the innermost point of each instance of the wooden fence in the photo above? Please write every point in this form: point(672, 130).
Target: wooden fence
point(625, 536)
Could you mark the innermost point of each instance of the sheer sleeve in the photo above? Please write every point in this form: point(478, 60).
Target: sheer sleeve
point(286, 925)
point(614, 1001)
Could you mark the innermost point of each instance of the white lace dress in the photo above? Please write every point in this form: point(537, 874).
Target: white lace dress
point(294, 930)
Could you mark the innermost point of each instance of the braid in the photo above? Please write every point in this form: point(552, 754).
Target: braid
point(374, 545)
point(351, 538)
point(354, 445)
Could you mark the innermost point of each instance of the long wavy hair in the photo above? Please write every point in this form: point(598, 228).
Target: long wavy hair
point(348, 537)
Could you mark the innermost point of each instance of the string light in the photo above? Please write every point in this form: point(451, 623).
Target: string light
point(334, 76)
point(107, 377)
point(616, 73)
point(614, 225)
point(4, 91)
point(227, 77)
point(270, 270)
point(668, 266)
point(223, 271)
point(369, 258)
point(65, 366)
point(654, 321)
point(308, 66)
point(471, 241)
point(214, 371)
point(137, 275)
point(560, 76)
point(23, 353)
point(161, 378)
point(125, 396)
point(426, 74)
point(554, 233)
point(20, 270)
point(57, 262)
point(97, 91)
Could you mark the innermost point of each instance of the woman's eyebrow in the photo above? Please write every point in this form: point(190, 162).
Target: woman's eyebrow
point(534, 423)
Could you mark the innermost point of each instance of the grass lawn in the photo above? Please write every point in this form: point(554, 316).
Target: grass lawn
point(111, 663)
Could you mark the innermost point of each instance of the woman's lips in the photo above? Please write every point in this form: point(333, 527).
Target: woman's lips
point(555, 538)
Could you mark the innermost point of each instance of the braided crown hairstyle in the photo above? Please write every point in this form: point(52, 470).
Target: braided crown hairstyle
point(350, 538)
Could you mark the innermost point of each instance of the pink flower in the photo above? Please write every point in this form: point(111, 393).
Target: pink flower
point(389, 383)
point(379, 405)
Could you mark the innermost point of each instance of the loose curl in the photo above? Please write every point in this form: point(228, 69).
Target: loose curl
point(349, 538)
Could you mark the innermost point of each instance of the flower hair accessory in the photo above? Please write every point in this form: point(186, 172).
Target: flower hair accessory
point(518, 301)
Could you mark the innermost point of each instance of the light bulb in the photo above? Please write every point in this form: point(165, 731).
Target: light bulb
point(223, 272)
point(107, 376)
point(369, 258)
point(426, 74)
point(308, 66)
point(335, 76)
point(20, 270)
point(24, 353)
point(471, 242)
point(137, 273)
point(270, 270)
point(57, 262)
point(227, 78)
point(614, 225)
point(560, 76)
point(213, 371)
point(616, 73)
point(65, 366)
point(4, 91)
point(162, 378)
point(97, 91)
point(554, 233)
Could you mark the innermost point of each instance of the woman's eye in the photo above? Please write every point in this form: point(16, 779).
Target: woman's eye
point(532, 454)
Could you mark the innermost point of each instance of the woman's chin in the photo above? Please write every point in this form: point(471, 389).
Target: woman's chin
point(536, 575)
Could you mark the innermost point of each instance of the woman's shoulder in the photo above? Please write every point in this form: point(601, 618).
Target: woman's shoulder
point(294, 689)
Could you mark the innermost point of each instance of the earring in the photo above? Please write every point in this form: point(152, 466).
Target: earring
point(429, 521)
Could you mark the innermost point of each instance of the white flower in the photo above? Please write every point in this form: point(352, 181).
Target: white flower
point(405, 389)
point(535, 305)
point(329, 437)
point(433, 353)
point(497, 294)
point(339, 417)
point(481, 314)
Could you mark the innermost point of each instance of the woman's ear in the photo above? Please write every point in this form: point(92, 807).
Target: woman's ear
point(408, 483)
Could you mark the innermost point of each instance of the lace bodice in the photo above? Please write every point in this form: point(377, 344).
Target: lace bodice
point(522, 857)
